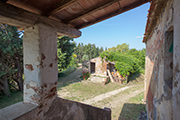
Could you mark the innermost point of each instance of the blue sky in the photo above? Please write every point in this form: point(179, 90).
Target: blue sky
point(123, 28)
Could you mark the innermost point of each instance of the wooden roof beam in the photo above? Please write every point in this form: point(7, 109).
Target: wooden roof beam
point(123, 9)
point(21, 18)
point(58, 7)
point(91, 10)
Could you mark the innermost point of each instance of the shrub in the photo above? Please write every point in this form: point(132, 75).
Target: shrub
point(85, 75)
point(125, 63)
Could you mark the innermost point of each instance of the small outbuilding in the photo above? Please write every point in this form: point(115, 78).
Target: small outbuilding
point(102, 71)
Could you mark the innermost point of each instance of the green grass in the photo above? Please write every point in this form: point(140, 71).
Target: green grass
point(85, 90)
point(138, 98)
point(14, 98)
point(133, 107)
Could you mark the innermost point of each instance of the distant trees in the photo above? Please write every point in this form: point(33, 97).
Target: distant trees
point(65, 50)
point(85, 58)
point(120, 48)
point(11, 59)
point(87, 52)
point(126, 60)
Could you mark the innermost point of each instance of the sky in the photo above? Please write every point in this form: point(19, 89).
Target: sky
point(123, 28)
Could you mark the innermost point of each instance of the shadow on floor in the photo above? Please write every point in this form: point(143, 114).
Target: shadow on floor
point(134, 77)
point(131, 111)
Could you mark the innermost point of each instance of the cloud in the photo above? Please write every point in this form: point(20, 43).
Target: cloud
point(139, 36)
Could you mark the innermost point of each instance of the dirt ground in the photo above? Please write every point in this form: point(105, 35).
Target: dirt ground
point(73, 77)
point(121, 99)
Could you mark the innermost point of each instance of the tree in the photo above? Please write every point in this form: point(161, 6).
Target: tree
point(11, 59)
point(90, 49)
point(94, 51)
point(140, 55)
point(73, 61)
point(65, 51)
point(120, 48)
point(61, 59)
point(97, 49)
point(126, 61)
point(78, 51)
point(85, 58)
point(87, 50)
point(101, 50)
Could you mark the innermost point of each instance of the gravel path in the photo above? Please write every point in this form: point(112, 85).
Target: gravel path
point(106, 95)
point(112, 93)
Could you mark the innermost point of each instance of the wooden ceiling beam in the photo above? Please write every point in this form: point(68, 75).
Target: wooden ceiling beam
point(21, 18)
point(123, 9)
point(58, 7)
point(91, 10)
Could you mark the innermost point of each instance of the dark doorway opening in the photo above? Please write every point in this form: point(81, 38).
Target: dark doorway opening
point(93, 67)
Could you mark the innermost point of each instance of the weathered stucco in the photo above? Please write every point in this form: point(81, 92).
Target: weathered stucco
point(40, 64)
point(162, 93)
point(176, 62)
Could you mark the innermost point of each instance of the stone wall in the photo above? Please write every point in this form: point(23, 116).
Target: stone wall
point(160, 70)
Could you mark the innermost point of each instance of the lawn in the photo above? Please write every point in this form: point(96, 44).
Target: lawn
point(84, 90)
point(125, 105)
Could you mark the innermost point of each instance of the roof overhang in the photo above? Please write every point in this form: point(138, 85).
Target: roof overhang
point(76, 14)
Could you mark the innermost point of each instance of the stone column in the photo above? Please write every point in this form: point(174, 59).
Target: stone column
point(40, 64)
point(176, 62)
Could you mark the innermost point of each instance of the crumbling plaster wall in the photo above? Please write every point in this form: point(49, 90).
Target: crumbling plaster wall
point(176, 62)
point(40, 66)
point(40, 63)
point(158, 89)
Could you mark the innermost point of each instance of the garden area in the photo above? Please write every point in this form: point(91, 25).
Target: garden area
point(125, 100)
